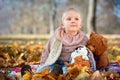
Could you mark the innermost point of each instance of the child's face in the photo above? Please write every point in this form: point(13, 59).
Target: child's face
point(71, 22)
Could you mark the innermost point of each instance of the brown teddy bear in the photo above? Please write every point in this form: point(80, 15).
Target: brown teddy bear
point(98, 45)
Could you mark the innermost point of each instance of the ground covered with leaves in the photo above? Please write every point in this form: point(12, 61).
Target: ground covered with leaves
point(14, 55)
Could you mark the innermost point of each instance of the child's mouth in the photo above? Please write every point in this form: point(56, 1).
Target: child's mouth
point(73, 25)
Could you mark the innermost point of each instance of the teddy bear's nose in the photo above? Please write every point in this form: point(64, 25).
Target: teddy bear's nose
point(91, 48)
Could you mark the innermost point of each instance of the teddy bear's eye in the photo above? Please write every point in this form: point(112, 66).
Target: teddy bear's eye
point(94, 46)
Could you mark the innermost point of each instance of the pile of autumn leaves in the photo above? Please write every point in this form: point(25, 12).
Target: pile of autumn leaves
point(17, 54)
point(20, 53)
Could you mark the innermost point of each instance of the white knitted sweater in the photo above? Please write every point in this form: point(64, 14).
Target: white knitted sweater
point(55, 51)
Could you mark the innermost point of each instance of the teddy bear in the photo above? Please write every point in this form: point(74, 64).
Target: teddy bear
point(98, 45)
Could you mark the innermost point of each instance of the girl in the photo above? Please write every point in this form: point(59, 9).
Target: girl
point(66, 39)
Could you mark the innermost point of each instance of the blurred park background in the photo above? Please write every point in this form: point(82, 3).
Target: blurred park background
point(44, 16)
point(26, 25)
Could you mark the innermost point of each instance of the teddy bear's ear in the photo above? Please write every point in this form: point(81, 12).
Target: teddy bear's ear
point(92, 33)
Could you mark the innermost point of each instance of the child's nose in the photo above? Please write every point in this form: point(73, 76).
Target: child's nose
point(73, 20)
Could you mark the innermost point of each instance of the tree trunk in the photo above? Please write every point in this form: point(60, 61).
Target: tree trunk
point(52, 15)
point(94, 16)
point(51, 24)
point(91, 16)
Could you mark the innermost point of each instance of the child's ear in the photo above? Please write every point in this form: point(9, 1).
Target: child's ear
point(62, 25)
point(81, 25)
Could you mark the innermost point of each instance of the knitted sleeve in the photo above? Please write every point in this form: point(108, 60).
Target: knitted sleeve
point(46, 51)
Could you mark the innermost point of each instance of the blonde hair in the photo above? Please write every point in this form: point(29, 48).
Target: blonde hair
point(69, 9)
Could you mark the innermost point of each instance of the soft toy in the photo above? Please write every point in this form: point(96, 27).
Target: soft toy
point(80, 57)
point(81, 51)
point(79, 61)
point(98, 45)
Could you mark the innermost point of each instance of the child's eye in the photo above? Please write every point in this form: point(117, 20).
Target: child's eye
point(69, 19)
point(77, 19)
